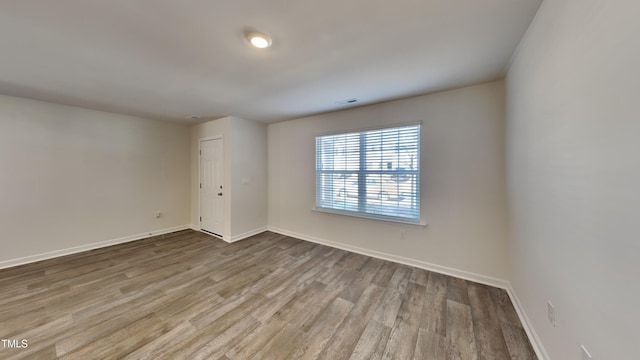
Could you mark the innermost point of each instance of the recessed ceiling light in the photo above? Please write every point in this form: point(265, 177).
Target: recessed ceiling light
point(258, 40)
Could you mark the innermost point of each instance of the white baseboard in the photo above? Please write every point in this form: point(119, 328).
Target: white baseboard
point(247, 234)
point(57, 253)
point(233, 238)
point(483, 279)
point(541, 352)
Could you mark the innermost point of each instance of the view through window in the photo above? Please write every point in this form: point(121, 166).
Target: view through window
point(374, 173)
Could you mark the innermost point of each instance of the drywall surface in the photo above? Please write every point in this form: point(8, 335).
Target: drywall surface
point(462, 180)
point(248, 177)
point(573, 150)
point(71, 177)
point(245, 167)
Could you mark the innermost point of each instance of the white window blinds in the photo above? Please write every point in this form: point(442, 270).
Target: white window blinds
point(375, 173)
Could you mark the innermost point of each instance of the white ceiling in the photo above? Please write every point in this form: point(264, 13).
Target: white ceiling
point(168, 59)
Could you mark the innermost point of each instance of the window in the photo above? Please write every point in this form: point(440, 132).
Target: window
point(373, 174)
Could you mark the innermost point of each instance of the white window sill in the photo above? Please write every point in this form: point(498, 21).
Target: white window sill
point(369, 217)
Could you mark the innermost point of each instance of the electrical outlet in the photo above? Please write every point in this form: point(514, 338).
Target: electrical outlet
point(585, 353)
point(403, 235)
point(551, 313)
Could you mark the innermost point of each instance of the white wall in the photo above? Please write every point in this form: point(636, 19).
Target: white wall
point(462, 180)
point(573, 173)
point(245, 156)
point(249, 162)
point(70, 177)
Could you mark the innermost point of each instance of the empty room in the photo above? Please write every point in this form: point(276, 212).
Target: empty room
point(416, 179)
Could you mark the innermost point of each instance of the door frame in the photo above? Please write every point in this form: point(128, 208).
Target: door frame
point(199, 154)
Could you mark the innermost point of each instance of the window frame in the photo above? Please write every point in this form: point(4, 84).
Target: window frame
point(362, 173)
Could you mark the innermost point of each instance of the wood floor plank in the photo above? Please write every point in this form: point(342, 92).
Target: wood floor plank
point(330, 274)
point(435, 307)
point(121, 342)
point(256, 340)
point(75, 338)
point(404, 334)
point(228, 312)
point(388, 311)
point(33, 302)
point(457, 290)
point(505, 310)
point(43, 336)
point(283, 295)
point(23, 322)
point(372, 342)
point(488, 333)
point(517, 342)
point(281, 345)
point(400, 278)
point(298, 304)
point(104, 321)
point(216, 348)
point(202, 337)
point(302, 274)
point(105, 311)
point(430, 346)
point(352, 261)
point(44, 353)
point(160, 345)
point(188, 295)
point(319, 335)
point(461, 343)
point(311, 313)
point(437, 283)
point(419, 276)
point(361, 279)
point(345, 338)
point(189, 305)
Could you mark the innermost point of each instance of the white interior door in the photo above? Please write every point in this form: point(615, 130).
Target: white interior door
point(211, 186)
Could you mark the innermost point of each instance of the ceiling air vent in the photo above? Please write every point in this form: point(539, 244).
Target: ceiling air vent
point(347, 101)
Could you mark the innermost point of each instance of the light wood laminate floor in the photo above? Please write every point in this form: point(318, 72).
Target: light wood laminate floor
point(187, 295)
